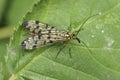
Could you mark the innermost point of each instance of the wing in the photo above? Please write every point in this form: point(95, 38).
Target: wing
point(35, 42)
point(44, 35)
point(41, 40)
point(37, 27)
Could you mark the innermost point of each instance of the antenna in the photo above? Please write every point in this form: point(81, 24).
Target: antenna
point(80, 45)
point(86, 21)
point(86, 47)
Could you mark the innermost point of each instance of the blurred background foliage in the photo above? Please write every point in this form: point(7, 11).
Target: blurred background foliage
point(11, 13)
point(6, 28)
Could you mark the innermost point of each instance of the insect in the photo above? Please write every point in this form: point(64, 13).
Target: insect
point(43, 34)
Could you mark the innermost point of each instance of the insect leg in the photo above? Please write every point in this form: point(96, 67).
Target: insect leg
point(86, 47)
point(78, 40)
point(70, 52)
point(80, 45)
point(60, 51)
point(31, 33)
point(69, 27)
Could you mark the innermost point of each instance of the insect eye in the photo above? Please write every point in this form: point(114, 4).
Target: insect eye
point(73, 35)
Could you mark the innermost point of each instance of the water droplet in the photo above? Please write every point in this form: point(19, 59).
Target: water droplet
point(103, 31)
point(93, 36)
point(100, 13)
point(109, 42)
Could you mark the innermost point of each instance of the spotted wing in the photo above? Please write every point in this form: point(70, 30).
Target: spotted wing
point(44, 35)
point(35, 42)
point(37, 27)
point(41, 40)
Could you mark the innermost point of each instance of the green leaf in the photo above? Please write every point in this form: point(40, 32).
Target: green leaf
point(101, 34)
point(3, 71)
